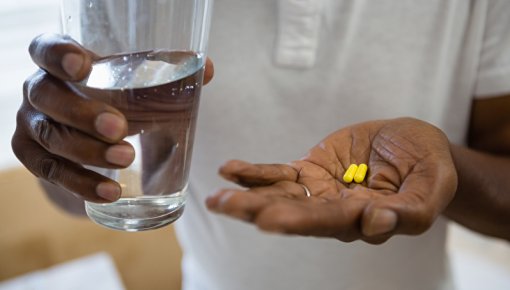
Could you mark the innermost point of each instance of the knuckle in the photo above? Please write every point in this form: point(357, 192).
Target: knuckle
point(35, 46)
point(43, 43)
point(31, 80)
point(21, 146)
point(36, 86)
point(26, 86)
point(16, 145)
point(21, 118)
point(49, 168)
point(44, 130)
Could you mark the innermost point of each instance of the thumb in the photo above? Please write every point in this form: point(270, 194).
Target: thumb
point(402, 213)
point(378, 221)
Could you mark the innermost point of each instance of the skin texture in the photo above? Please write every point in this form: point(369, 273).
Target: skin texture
point(414, 175)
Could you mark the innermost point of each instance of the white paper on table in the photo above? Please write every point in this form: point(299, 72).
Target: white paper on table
point(96, 272)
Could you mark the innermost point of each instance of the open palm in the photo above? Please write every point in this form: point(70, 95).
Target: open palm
point(411, 179)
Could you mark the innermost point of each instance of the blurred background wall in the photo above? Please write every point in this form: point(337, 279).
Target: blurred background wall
point(34, 235)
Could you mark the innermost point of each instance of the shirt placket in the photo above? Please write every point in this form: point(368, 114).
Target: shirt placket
point(299, 24)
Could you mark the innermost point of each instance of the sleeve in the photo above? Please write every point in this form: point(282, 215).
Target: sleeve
point(494, 64)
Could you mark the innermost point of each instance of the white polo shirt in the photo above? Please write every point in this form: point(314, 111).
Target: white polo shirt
point(288, 73)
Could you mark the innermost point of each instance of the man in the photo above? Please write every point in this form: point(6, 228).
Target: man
point(286, 80)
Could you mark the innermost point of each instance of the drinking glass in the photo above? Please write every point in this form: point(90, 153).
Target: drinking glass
point(149, 58)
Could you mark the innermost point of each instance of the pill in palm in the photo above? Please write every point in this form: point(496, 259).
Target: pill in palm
point(350, 172)
point(360, 174)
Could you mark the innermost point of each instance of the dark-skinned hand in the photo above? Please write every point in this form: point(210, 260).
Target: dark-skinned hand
point(411, 180)
point(59, 129)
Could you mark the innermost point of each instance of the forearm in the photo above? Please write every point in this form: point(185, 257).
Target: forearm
point(482, 200)
point(63, 198)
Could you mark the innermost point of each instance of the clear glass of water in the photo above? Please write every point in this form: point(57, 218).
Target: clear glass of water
point(149, 63)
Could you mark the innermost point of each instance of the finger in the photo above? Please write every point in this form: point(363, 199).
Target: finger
point(61, 56)
point(247, 174)
point(55, 99)
point(71, 176)
point(247, 203)
point(272, 211)
point(70, 143)
point(284, 190)
point(238, 204)
point(209, 71)
point(337, 219)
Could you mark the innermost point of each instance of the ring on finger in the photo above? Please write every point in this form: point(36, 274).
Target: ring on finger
point(307, 191)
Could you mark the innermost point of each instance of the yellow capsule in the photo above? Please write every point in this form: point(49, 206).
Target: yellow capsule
point(361, 173)
point(349, 174)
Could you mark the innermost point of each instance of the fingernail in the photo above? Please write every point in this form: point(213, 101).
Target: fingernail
point(72, 64)
point(382, 221)
point(110, 125)
point(121, 155)
point(108, 191)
